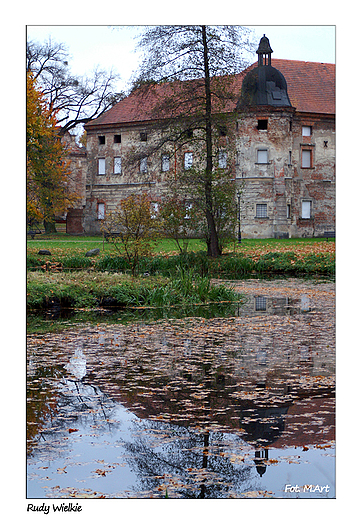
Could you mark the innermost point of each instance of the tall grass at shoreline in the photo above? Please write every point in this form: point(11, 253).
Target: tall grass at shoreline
point(89, 290)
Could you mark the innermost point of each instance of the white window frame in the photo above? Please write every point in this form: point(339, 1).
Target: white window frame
point(188, 160)
point(222, 159)
point(143, 166)
point(165, 163)
point(306, 209)
point(101, 210)
point(306, 131)
point(101, 166)
point(117, 166)
point(262, 156)
point(306, 158)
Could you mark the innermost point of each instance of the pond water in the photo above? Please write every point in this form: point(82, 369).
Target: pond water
point(239, 406)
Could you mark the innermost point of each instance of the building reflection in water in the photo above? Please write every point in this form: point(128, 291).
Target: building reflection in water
point(189, 396)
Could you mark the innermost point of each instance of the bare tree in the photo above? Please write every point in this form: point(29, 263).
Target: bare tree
point(203, 59)
point(76, 100)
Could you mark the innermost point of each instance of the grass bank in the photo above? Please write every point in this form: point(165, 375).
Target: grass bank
point(318, 261)
point(91, 290)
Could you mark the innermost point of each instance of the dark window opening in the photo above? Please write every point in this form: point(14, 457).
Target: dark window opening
point(117, 138)
point(189, 133)
point(222, 131)
point(143, 136)
point(101, 139)
point(262, 124)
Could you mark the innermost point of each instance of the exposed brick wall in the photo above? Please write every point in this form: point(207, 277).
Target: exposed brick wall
point(283, 184)
point(77, 156)
point(299, 198)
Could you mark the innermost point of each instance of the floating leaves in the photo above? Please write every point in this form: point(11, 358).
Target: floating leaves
point(199, 397)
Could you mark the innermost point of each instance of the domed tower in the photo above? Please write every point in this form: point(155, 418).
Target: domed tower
point(264, 85)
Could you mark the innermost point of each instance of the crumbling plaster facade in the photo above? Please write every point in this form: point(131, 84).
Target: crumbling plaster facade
point(282, 157)
point(77, 156)
point(299, 197)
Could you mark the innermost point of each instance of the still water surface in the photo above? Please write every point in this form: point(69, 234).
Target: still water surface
point(188, 408)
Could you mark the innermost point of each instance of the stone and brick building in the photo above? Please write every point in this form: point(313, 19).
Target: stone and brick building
point(77, 156)
point(281, 148)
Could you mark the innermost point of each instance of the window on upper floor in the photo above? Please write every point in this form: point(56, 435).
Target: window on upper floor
point(222, 159)
point(188, 160)
point(117, 139)
point(262, 156)
point(143, 166)
point(143, 136)
point(165, 163)
point(101, 139)
point(117, 166)
point(262, 124)
point(222, 131)
point(306, 159)
point(101, 166)
point(307, 131)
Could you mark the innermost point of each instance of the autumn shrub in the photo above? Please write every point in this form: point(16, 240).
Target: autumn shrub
point(132, 228)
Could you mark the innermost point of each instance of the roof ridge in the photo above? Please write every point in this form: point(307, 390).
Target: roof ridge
point(305, 92)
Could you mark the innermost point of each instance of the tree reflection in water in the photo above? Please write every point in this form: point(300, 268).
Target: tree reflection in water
point(189, 408)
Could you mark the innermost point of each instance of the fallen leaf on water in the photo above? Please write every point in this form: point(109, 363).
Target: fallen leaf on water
point(100, 472)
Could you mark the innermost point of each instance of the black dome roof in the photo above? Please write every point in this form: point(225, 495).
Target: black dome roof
point(264, 85)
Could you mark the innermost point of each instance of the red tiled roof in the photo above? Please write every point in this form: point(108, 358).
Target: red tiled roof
point(310, 85)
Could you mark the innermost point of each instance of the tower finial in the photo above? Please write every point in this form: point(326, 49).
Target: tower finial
point(264, 51)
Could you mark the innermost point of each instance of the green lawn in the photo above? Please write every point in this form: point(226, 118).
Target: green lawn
point(84, 243)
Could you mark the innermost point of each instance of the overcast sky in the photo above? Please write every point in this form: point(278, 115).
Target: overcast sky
point(114, 48)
